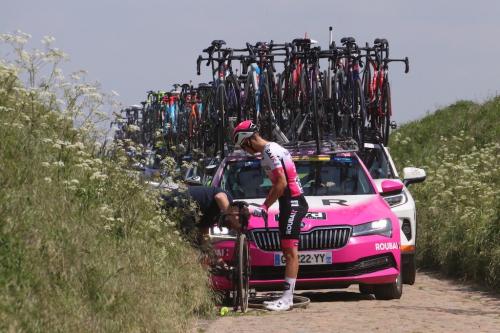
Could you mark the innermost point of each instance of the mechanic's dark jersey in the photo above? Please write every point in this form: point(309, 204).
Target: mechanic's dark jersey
point(204, 196)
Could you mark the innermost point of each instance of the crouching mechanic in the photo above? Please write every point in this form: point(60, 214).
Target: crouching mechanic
point(213, 203)
point(286, 188)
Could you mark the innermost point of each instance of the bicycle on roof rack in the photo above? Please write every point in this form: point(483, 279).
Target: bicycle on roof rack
point(351, 98)
point(376, 87)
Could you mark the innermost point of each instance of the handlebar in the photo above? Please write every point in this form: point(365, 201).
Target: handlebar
point(405, 60)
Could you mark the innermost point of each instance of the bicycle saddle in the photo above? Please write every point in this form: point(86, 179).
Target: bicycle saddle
point(348, 40)
point(218, 43)
point(380, 41)
point(261, 44)
point(204, 86)
point(301, 41)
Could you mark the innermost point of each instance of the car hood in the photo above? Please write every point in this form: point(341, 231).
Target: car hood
point(333, 210)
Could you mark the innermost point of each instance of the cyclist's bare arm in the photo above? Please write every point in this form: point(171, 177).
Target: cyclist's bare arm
point(279, 186)
point(222, 201)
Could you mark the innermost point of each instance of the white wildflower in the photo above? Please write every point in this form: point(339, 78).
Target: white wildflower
point(133, 128)
point(47, 179)
point(98, 176)
point(48, 40)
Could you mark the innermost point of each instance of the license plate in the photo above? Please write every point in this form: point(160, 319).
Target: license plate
point(306, 258)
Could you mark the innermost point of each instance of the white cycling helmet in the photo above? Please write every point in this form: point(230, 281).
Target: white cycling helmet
point(243, 131)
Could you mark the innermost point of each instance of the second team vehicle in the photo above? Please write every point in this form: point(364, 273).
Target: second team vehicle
point(379, 163)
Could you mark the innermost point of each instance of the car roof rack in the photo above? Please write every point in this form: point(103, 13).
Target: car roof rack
point(337, 146)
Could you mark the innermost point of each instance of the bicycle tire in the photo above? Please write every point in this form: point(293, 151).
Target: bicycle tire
point(233, 99)
point(242, 278)
point(220, 100)
point(359, 114)
point(267, 109)
point(387, 112)
point(280, 110)
point(305, 104)
point(316, 132)
point(207, 133)
point(244, 273)
point(250, 109)
point(342, 102)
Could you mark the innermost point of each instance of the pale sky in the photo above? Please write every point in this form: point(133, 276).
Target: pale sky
point(135, 46)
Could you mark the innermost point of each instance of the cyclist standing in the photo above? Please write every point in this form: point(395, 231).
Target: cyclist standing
point(286, 188)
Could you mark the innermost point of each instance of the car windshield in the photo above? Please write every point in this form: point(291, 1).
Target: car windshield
point(377, 163)
point(333, 176)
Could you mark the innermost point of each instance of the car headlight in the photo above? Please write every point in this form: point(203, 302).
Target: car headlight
point(221, 232)
point(396, 200)
point(380, 227)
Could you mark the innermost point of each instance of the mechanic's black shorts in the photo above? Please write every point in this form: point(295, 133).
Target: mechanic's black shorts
point(292, 211)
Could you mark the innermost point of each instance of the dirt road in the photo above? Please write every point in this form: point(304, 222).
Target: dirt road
point(432, 304)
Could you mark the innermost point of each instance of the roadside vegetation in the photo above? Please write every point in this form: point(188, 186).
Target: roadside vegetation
point(84, 246)
point(458, 205)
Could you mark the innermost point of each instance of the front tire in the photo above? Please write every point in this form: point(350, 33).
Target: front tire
point(391, 290)
point(410, 270)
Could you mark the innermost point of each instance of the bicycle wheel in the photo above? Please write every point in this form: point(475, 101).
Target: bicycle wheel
point(342, 105)
point(385, 122)
point(220, 126)
point(358, 113)
point(266, 122)
point(315, 106)
point(233, 112)
point(250, 108)
point(280, 110)
point(208, 130)
point(305, 104)
point(242, 273)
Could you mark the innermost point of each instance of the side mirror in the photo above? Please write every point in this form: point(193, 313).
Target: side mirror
point(413, 175)
point(391, 187)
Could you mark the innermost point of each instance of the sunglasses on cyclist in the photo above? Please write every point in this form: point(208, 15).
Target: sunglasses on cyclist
point(245, 144)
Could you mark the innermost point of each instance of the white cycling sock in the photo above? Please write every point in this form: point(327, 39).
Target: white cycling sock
point(289, 288)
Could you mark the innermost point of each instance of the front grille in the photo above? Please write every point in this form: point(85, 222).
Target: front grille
point(316, 239)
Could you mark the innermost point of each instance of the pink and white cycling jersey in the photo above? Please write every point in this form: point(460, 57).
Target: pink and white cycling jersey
point(275, 158)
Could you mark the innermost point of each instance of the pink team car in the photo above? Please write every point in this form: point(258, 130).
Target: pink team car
point(349, 236)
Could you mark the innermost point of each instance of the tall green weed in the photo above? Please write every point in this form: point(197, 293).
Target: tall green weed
point(458, 205)
point(84, 246)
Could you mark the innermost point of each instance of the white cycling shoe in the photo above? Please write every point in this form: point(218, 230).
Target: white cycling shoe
point(279, 305)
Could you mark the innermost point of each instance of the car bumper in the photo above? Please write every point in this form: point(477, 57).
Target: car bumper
point(367, 259)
